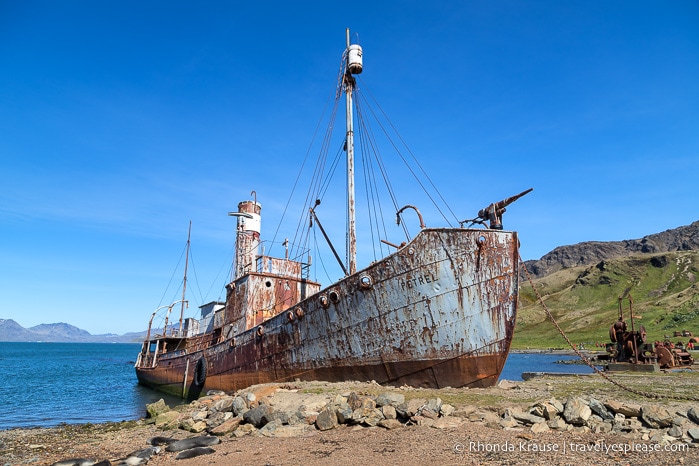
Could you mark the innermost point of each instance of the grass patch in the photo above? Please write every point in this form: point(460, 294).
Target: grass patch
point(585, 300)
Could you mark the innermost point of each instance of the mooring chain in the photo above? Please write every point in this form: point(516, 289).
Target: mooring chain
point(586, 360)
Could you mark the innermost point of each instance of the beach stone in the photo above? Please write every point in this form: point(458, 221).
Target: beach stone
point(168, 420)
point(191, 425)
point(354, 401)
point(599, 409)
point(446, 410)
point(200, 415)
point(557, 423)
point(344, 413)
point(390, 424)
point(693, 414)
point(389, 412)
point(656, 416)
point(576, 412)
point(368, 403)
point(693, 434)
point(537, 410)
point(551, 411)
point(429, 413)
point(556, 404)
point(244, 429)
point(373, 417)
point(526, 418)
point(256, 415)
point(224, 404)
point(273, 415)
point(227, 427)
point(675, 431)
point(268, 429)
point(434, 404)
point(159, 407)
point(602, 427)
point(410, 408)
point(239, 405)
point(216, 419)
point(539, 427)
point(627, 409)
point(422, 421)
point(508, 422)
point(390, 399)
point(447, 423)
point(327, 419)
point(631, 425)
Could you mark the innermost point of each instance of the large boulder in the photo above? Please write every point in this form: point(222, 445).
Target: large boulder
point(390, 399)
point(577, 412)
point(656, 416)
point(327, 419)
point(257, 415)
point(154, 409)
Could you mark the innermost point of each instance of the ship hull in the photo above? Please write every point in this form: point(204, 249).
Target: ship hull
point(439, 312)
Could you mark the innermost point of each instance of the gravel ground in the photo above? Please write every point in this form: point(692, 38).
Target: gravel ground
point(463, 442)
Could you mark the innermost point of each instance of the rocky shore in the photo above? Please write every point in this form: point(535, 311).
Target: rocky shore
point(563, 420)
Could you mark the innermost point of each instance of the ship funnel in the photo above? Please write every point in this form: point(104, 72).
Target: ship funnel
point(247, 241)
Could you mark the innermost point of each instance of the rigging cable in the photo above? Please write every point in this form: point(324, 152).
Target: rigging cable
point(417, 163)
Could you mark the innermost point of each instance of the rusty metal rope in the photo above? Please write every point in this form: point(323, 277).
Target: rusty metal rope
point(587, 361)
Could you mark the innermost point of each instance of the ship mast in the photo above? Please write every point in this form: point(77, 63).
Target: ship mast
point(184, 283)
point(353, 56)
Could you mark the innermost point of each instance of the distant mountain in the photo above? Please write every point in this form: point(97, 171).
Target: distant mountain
point(61, 332)
point(684, 238)
point(12, 331)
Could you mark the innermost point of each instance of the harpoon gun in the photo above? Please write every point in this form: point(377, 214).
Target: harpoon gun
point(493, 213)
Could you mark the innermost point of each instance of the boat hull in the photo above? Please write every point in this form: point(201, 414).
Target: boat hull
point(440, 312)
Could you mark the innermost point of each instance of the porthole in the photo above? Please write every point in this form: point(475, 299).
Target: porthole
point(365, 282)
point(334, 297)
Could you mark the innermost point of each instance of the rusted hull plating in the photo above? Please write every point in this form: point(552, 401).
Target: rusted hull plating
point(440, 312)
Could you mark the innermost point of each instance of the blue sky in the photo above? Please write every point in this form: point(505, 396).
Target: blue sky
point(122, 121)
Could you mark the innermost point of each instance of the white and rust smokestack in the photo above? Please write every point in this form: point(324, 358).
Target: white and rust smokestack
point(247, 241)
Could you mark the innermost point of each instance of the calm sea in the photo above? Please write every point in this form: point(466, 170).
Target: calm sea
point(46, 384)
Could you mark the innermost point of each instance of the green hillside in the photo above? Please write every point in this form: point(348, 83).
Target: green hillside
point(585, 300)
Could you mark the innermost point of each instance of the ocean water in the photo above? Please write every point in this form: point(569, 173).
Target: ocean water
point(46, 384)
point(517, 363)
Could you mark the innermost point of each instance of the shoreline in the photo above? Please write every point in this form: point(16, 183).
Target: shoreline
point(478, 416)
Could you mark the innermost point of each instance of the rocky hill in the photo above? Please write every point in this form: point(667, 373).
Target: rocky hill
point(60, 332)
point(685, 238)
point(583, 285)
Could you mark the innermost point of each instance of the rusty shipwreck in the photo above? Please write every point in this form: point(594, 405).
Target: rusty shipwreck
point(437, 310)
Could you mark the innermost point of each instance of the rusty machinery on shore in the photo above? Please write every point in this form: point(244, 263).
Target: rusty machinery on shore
point(629, 345)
